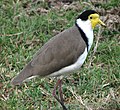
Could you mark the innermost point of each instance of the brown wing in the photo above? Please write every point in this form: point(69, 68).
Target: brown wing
point(60, 51)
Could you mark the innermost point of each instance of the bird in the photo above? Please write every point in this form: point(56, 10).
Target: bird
point(63, 54)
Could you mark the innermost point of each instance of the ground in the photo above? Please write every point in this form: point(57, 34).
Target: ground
point(26, 25)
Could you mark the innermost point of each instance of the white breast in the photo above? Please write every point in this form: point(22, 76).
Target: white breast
point(74, 67)
point(87, 29)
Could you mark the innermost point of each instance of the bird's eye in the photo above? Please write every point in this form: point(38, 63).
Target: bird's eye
point(90, 17)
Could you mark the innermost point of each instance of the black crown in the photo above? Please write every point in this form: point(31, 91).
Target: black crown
point(84, 15)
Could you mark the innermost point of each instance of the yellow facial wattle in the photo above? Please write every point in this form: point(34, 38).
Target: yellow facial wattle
point(95, 20)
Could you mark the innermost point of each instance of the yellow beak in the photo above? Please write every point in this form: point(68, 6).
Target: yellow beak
point(100, 22)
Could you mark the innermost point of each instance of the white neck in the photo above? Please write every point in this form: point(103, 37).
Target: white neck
point(87, 29)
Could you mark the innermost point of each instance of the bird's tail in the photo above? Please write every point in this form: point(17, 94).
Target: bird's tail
point(23, 75)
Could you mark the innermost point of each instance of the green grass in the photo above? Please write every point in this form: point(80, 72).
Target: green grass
point(23, 31)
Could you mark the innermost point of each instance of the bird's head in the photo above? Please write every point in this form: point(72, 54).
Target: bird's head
point(92, 16)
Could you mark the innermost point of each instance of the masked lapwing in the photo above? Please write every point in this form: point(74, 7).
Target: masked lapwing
point(63, 53)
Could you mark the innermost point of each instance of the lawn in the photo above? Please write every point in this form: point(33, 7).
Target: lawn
point(26, 25)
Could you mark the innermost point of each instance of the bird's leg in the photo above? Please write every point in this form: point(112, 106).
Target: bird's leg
point(55, 88)
point(60, 91)
point(61, 95)
point(59, 83)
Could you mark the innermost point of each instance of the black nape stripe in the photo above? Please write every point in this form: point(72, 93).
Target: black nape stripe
point(83, 35)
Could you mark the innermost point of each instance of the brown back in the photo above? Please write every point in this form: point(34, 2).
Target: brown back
point(60, 51)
